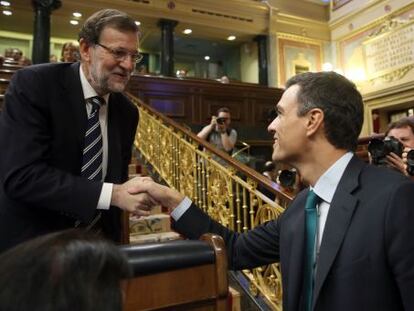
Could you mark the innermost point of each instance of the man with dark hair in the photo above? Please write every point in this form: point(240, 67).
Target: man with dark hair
point(345, 243)
point(66, 134)
point(403, 130)
point(219, 133)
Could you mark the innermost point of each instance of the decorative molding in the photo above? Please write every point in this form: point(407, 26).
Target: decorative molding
point(392, 76)
point(140, 1)
point(390, 25)
point(288, 36)
point(221, 15)
point(371, 25)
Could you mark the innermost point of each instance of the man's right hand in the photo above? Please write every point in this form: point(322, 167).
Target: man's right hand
point(163, 195)
point(397, 162)
point(213, 121)
point(138, 204)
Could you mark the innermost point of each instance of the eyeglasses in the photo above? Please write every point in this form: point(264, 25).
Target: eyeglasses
point(122, 54)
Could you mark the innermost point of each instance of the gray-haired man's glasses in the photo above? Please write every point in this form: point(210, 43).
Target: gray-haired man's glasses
point(122, 54)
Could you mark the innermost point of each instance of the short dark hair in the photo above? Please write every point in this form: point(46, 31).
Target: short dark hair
point(401, 123)
point(94, 25)
point(68, 270)
point(223, 109)
point(340, 102)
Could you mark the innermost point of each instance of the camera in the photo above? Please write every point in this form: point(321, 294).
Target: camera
point(379, 149)
point(410, 162)
point(287, 178)
point(221, 121)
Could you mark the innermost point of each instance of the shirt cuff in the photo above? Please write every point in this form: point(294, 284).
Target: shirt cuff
point(105, 197)
point(181, 208)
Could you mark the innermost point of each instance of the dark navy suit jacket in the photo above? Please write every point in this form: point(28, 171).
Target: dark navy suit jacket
point(42, 130)
point(366, 259)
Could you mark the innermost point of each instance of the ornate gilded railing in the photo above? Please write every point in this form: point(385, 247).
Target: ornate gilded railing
point(226, 189)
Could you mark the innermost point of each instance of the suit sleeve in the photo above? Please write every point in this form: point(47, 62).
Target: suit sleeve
point(25, 141)
point(257, 247)
point(399, 232)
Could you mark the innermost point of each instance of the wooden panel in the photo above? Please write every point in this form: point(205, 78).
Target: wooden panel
point(172, 288)
point(171, 106)
point(194, 101)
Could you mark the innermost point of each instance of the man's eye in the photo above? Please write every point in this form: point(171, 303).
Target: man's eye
point(119, 53)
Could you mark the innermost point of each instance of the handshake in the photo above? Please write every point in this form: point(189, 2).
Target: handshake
point(140, 194)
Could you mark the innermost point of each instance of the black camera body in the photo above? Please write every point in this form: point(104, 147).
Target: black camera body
point(379, 149)
point(287, 178)
point(220, 121)
point(410, 162)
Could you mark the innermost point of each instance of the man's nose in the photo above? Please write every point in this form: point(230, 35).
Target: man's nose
point(272, 126)
point(128, 63)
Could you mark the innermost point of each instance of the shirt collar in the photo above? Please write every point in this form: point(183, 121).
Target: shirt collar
point(326, 185)
point(88, 90)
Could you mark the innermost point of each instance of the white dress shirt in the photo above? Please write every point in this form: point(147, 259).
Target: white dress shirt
point(325, 188)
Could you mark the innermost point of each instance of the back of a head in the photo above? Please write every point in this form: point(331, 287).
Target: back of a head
point(94, 25)
point(340, 102)
point(68, 270)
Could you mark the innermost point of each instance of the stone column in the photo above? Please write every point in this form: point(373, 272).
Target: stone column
point(262, 61)
point(41, 29)
point(167, 46)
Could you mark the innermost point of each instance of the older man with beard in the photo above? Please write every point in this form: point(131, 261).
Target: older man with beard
point(66, 133)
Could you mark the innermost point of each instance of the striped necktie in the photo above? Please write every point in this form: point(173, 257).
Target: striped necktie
point(311, 221)
point(93, 147)
point(93, 155)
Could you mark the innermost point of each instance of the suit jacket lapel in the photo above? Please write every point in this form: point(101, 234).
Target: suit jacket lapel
point(73, 95)
point(339, 217)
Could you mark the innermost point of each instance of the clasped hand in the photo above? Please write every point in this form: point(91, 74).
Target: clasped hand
point(140, 194)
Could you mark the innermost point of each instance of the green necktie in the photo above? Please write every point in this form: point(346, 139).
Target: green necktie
point(310, 234)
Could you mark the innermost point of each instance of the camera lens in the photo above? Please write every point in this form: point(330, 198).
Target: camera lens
point(287, 178)
point(379, 149)
point(220, 120)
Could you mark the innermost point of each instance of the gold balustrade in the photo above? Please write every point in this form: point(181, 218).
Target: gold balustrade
point(228, 193)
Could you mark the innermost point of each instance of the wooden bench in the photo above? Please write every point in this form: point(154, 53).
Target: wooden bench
point(177, 275)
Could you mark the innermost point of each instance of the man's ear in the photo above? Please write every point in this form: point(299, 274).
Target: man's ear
point(315, 121)
point(84, 49)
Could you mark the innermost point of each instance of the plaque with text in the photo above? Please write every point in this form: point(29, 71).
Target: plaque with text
point(391, 51)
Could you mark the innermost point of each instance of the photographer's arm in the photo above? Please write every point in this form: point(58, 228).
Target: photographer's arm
point(207, 129)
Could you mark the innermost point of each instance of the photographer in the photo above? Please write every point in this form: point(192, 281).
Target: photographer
point(218, 132)
point(403, 130)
